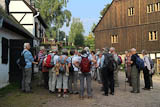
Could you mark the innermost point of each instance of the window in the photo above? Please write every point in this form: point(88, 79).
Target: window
point(153, 7)
point(153, 36)
point(114, 39)
point(4, 51)
point(131, 11)
point(36, 29)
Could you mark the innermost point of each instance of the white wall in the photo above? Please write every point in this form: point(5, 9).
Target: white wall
point(4, 68)
point(18, 5)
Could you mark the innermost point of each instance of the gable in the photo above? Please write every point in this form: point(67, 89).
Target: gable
point(18, 6)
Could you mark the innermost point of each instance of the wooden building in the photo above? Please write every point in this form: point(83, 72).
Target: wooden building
point(130, 24)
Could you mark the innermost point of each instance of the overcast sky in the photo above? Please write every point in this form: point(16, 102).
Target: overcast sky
point(87, 10)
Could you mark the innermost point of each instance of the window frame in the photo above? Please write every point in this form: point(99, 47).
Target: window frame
point(153, 35)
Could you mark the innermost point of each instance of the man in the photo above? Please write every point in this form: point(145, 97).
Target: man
point(41, 56)
point(115, 56)
point(71, 73)
point(146, 71)
point(135, 73)
point(108, 67)
point(27, 72)
point(52, 72)
point(85, 73)
point(76, 62)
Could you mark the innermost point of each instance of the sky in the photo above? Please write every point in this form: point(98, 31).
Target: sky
point(87, 10)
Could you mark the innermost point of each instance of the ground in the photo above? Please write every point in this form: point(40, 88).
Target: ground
point(122, 97)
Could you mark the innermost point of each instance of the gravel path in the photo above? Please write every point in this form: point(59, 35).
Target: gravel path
point(122, 98)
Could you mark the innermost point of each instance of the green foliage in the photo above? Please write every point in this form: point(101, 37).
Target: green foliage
point(90, 41)
point(79, 40)
point(54, 14)
point(105, 9)
point(76, 29)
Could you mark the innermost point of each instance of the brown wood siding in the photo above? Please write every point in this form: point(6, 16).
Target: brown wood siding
point(132, 31)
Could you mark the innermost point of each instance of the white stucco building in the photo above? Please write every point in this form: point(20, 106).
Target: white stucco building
point(25, 13)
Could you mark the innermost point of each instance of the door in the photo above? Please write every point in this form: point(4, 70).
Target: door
point(16, 47)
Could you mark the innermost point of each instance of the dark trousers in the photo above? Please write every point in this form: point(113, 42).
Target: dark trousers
point(146, 78)
point(108, 81)
point(46, 79)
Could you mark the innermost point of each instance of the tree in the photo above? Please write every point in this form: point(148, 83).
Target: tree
point(62, 35)
point(105, 9)
point(90, 41)
point(76, 29)
point(79, 40)
point(54, 14)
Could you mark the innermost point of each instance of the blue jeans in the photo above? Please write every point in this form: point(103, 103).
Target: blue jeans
point(88, 80)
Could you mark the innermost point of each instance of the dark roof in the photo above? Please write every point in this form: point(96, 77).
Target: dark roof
point(35, 12)
point(102, 16)
point(9, 22)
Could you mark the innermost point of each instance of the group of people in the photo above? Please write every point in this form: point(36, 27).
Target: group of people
point(133, 69)
point(61, 71)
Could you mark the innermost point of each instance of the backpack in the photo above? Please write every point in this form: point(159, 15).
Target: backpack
point(62, 62)
point(21, 61)
point(151, 62)
point(119, 60)
point(71, 69)
point(109, 63)
point(85, 65)
point(140, 63)
point(49, 61)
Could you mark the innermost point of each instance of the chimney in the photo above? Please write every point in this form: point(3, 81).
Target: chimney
point(5, 5)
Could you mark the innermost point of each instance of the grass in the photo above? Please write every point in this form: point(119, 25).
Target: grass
point(8, 89)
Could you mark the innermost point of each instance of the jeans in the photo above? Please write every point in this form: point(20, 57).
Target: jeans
point(88, 80)
point(26, 79)
point(52, 80)
point(73, 78)
point(62, 81)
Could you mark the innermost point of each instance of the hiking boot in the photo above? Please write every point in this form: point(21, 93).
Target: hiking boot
point(76, 92)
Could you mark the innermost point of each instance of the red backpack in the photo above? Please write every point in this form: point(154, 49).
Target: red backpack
point(85, 65)
point(48, 61)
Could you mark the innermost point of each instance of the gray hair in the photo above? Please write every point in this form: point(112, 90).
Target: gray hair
point(133, 50)
point(144, 52)
point(25, 45)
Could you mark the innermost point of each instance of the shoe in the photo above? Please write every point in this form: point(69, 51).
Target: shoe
point(105, 94)
point(89, 97)
point(51, 92)
point(133, 92)
point(151, 87)
point(112, 93)
point(29, 92)
point(76, 92)
point(59, 95)
point(146, 89)
point(81, 97)
point(65, 96)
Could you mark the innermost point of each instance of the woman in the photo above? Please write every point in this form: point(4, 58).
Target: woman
point(146, 70)
point(62, 77)
point(93, 65)
point(128, 67)
point(99, 67)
